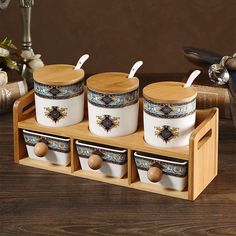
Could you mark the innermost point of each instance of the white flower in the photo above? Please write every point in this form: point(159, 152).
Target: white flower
point(35, 64)
point(4, 52)
point(33, 60)
point(3, 78)
point(37, 56)
point(27, 54)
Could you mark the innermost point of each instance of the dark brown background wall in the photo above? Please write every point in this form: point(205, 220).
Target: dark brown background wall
point(118, 32)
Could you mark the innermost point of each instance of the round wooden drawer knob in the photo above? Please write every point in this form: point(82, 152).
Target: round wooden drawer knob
point(154, 174)
point(40, 149)
point(95, 162)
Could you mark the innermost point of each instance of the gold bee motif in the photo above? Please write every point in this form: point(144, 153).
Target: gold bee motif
point(108, 122)
point(55, 113)
point(166, 133)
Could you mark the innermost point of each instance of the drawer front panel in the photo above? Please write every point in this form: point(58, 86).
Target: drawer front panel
point(58, 149)
point(173, 173)
point(114, 161)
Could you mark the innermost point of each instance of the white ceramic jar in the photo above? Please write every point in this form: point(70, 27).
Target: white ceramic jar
point(158, 170)
point(102, 159)
point(59, 95)
point(169, 114)
point(47, 148)
point(113, 104)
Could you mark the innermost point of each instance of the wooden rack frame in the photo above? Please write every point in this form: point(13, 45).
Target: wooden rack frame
point(201, 154)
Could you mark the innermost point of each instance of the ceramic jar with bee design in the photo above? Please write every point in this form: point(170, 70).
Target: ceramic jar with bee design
point(113, 104)
point(169, 114)
point(59, 95)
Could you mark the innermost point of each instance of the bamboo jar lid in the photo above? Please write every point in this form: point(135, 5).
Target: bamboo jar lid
point(112, 82)
point(169, 92)
point(58, 75)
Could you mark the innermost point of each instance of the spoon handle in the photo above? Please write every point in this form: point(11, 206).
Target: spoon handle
point(191, 78)
point(81, 61)
point(135, 68)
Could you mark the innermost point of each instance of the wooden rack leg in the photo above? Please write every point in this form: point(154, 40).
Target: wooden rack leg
point(132, 169)
point(75, 165)
point(203, 163)
point(21, 110)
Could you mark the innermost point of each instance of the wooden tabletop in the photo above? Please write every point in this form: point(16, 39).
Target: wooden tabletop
point(37, 202)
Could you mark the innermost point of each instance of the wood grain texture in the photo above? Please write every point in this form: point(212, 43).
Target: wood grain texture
point(20, 114)
point(58, 74)
point(112, 82)
point(38, 202)
point(203, 164)
point(169, 92)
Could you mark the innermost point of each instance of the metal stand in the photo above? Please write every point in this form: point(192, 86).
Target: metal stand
point(26, 9)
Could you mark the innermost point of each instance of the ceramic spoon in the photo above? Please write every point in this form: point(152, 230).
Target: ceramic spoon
point(191, 78)
point(81, 61)
point(134, 69)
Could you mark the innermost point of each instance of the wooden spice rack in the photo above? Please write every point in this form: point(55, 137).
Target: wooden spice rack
point(201, 154)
